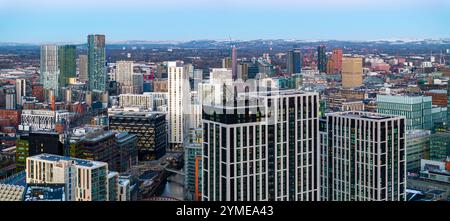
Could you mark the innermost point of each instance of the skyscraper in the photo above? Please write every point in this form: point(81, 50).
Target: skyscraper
point(67, 56)
point(352, 72)
point(321, 58)
point(49, 68)
point(294, 61)
point(265, 146)
point(178, 99)
point(97, 63)
point(21, 90)
point(83, 68)
point(124, 76)
point(234, 67)
point(366, 157)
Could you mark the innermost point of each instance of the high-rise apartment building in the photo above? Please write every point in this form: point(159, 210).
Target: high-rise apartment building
point(366, 157)
point(49, 68)
point(83, 68)
point(96, 63)
point(321, 58)
point(21, 90)
point(294, 61)
point(178, 103)
point(124, 76)
point(352, 72)
point(261, 146)
point(67, 58)
point(416, 108)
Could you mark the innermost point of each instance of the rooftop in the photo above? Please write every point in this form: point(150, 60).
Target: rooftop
point(76, 161)
point(365, 115)
point(47, 192)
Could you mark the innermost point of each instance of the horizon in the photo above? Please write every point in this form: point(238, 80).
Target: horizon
point(168, 41)
point(36, 22)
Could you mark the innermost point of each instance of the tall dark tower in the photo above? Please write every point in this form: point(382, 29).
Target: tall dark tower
point(234, 68)
point(321, 59)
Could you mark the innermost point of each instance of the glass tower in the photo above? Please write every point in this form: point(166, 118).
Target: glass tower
point(321, 59)
point(96, 63)
point(67, 64)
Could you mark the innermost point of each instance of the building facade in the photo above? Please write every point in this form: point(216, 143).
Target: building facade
point(96, 63)
point(416, 109)
point(178, 98)
point(267, 151)
point(352, 72)
point(366, 157)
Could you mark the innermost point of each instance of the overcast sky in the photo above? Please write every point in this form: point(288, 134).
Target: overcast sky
point(38, 21)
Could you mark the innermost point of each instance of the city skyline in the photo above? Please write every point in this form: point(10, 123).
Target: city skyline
point(140, 20)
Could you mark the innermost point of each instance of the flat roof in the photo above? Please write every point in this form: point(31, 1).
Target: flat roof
point(78, 162)
point(365, 115)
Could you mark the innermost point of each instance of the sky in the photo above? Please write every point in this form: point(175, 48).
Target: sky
point(51, 21)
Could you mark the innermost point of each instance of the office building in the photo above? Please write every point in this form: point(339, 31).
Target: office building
point(352, 72)
point(42, 120)
point(49, 68)
point(67, 58)
point(150, 128)
point(83, 68)
point(417, 148)
point(84, 180)
point(366, 157)
point(126, 144)
point(261, 146)
point(416, 109)
point(178, 99)
point(96, 63)
point(21, 90)
point(94, 143)
point(321, 59)
point(294, 61)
